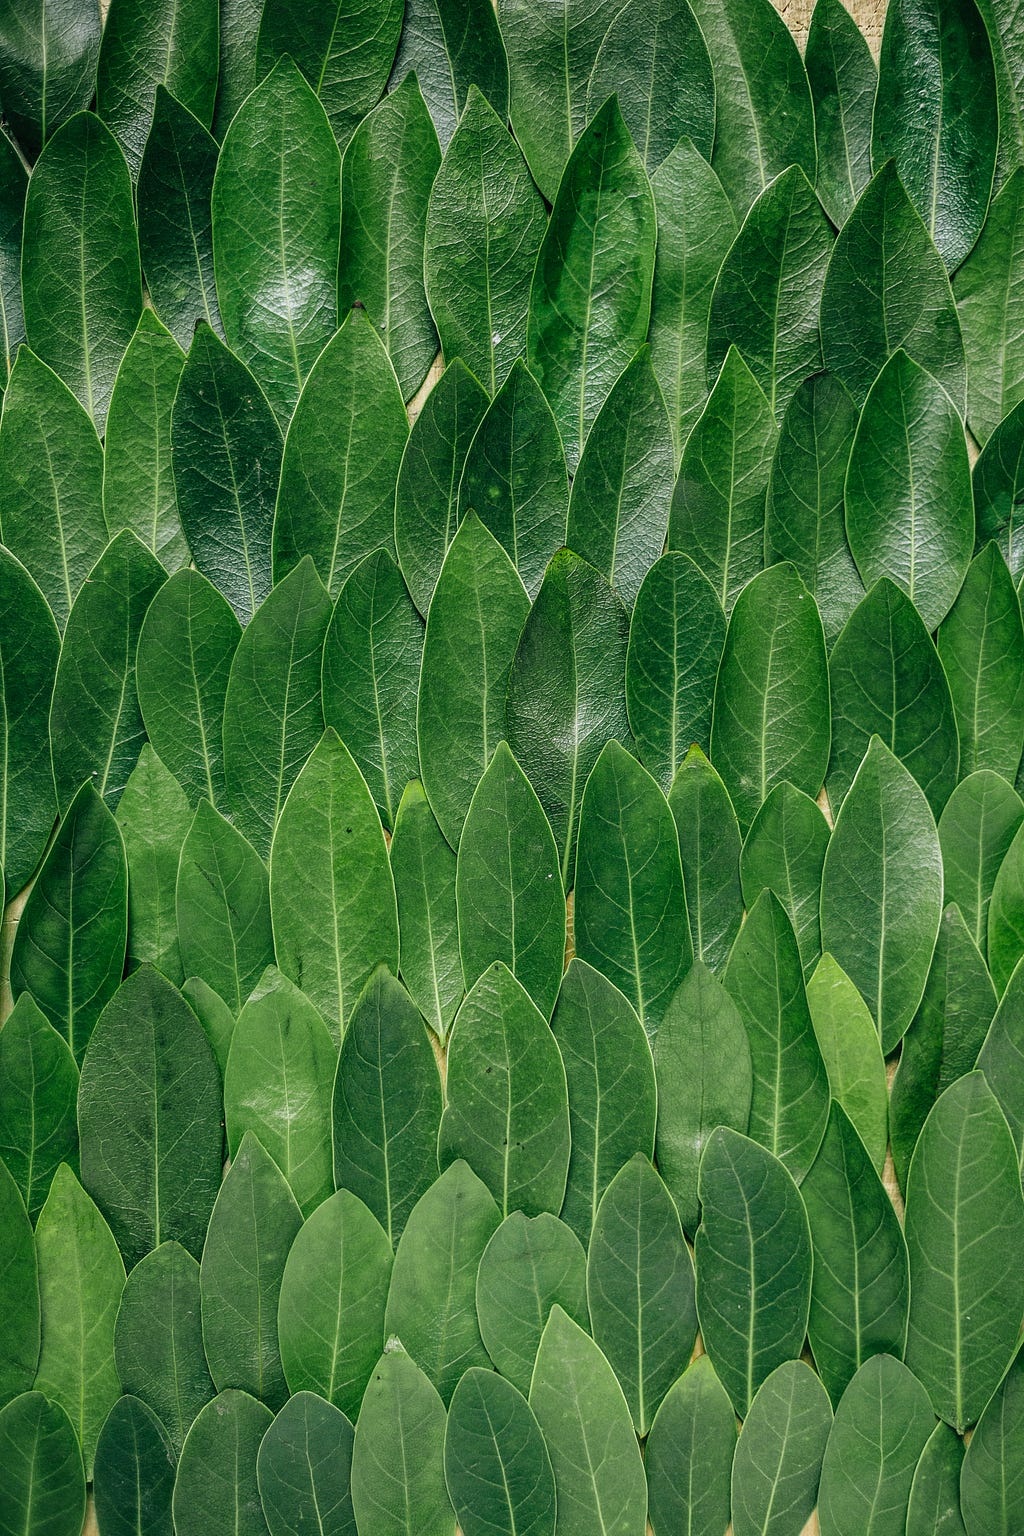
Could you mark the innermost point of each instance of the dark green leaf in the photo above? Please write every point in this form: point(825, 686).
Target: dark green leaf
point(48, 58)
point(1006, 915)
point(881, 1427)
point(530, 1264)
point(19, 1292)
point(987, 296)
point(38, 1102)
point(239, 28)
point(1006, 36)
point(13, 186)
point(998, 490)
point(852, 1053)
point(216, 1488)
point(44, 1483)
point(174, 44)
point(778, 1458)
point(689, 1455)
point(158, 1339)
point(709, 847)
point(843, 79)
point(398, 1456)
point(1001, 1055)
point(975, 831)
point(784, 852)
point(134, 1474)
point(303, 1470)
point(981, 646)
point(29, 646)
point(424, 870)
point(453, 46)
point(154, 818)
point(934, 1508)
point(993, 1473)
point(495, 1461)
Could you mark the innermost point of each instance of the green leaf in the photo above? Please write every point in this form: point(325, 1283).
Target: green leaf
point(51, 483)
point(331, 891)
point(432, 1302)
point(239, 28)
point(566, 691)
point(19, 1290)
point(138, 488)
point(278, 1084)
point(1006, 37)
point(44, 1485)
point(134, 1472)
point(186, 644)
point(81, 1277)
point(1000, 1057)
point(149, 1117)
point(778, 1458)
point(485, 222)
point(887, 681)
point(426, 495)
point(80, 278)
point(275, 235)
point(29, 646)
point(704, 1077)
point(784, 852)
point(398, 1484)
point(175, 220)
point(936, 116)
point(986, 292)
point(753, 1259)
point(424, 869)
point(158, 1339)
point(881, 891)
point(496, 1464)
point(771, 710)
point(843, 79)
point(344, 51)
point(804, 521)
point(886, 288)
point(629, 917)
point(622, 490)
point(689, 1455)
point(13, 186)
point(718, 505)
point(70, 944)
point(610, 1078)
point(981, 646)
point(514, 476)
point(591, 297)
point(506, 1105)
point(226, 458)
point(965, 1237)
point(934, 1508)
point(253, 1226)
point(511, 906)
point(330, 1320)
point(223, 907)
point(303, 1469)
point(881, 1428)
point(452, 47)
point(477, 611)
point(154, 818)
point(47, 64)
point(975, 831)
point(860, 1290)
point(213, 1014)
point(852, 1053)
point(640, 1288)
point(96, 729)
point(530, 1265)
point(709, 847)
point(38, 1102)
point(993, 1470)
point(216, 1487)
point(386, 176)
point(387, 1105)
point(790, 1096)
point(696, 227)
point(998, 477)
point(371, 669)
point(175, 45)
point(341, 458)
point(764, 120)
point(1006, 915)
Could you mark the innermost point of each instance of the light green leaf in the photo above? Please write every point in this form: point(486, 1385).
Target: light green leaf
point(452, 47)
point(881, 1428)
point(19, 1291)
point(223, 908)
point(843, 79)
point(993, 1472)
point(981, 647)
point(303, 1469)
point(216, 1487)
point(778, 1458)
point(934, 1508)
point(852, 1053)
point(496, 1463)
point(784, 852)
point(689, 1455)
point(975, 831)
point(1006, 915)
point(398, 1484)
point(1000, 1058)
point(47, 64)
point(29, 647)
point(424, 870)
point(213, 1014)
point(709, 847)
point(45, 1481)
point(175, 45)
point(987, 296)
point(154, 818)
point(531, 1264)
point(38, 1102)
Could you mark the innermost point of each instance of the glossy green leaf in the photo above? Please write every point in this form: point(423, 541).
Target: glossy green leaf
point(186, 644)
point(975, 831)
point(599, 1476)
point(70, 944)
point(432, 1302)
point(331, 891)
point(852, 1053)
point(485, 222)
point(936, 116)
point(44, 1485)
point(223, 908)
point(530, 1265)
point(226, 458)
point(154, 818)
point(13, 186)
point(371, 668)
point(689, 1455)
point(216, 1487)
point(452, 47)
point(591, 297)
point(134, 1472)
point(993, 1472)
point(778, 1458)
point(506, 1104)
point(424, 870)
point(843, 79)
point(278, 1083)
point(881, 1427)
point(934, 1508)
point(303, 1469)
point(566, 694)
point(753, 1259)
point(275, 254)
point(38, 1102)
point(96, 729)
point(239, 29)
point(81, 1277)
point(709, 847)
point(1000, 1057)
point(998, 476)
point(175, 220)
point(80, 277)
point(213, 1014)
point(718, 505)
point(158, 1339)
point(475, 618)
point(886, 288)
point(47, 64)
point(986, 292)
point(29, 646)
point(784, 852)
point(387, 1105)
point(51, 483)
point(149, 1117)
point(19, 1291)
point(388, 170)
point(496, 1463)
point(981, 646)
point(1006, 915)
point(330, 1319)
point(1006, 36)
point(881, 891)
point(398, 1486)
